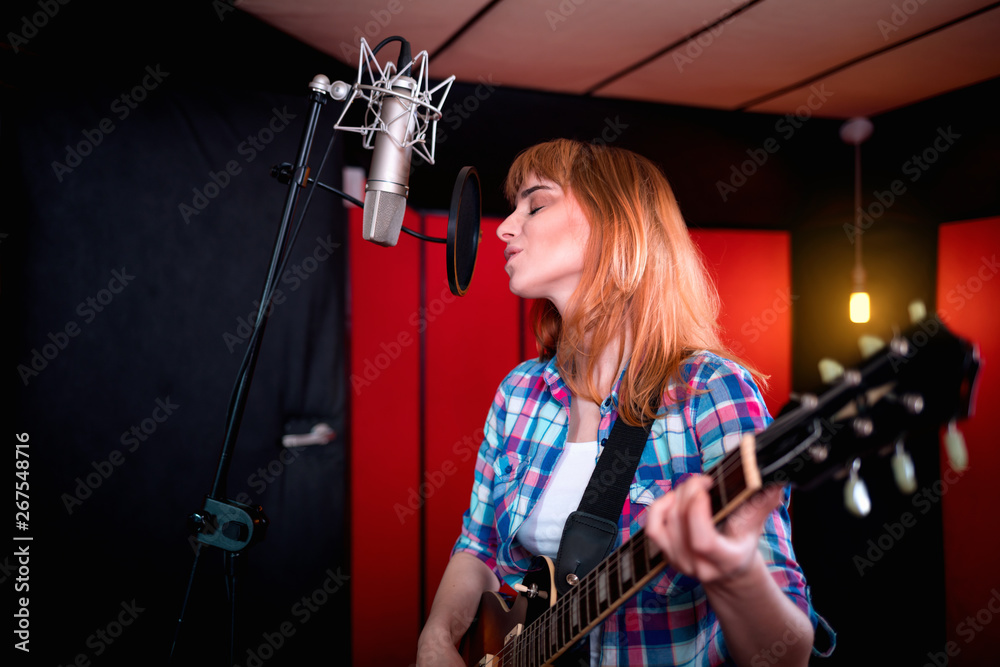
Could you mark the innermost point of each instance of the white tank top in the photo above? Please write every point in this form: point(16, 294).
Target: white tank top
point(542, 530)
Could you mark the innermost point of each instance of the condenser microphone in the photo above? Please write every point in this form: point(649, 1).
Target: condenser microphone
point(388, 179)
point(400, 119)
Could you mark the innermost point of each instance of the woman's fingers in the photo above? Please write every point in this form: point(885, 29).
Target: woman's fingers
point(681, 524)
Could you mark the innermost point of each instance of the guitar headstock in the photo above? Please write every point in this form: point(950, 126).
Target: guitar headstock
point(922, 378)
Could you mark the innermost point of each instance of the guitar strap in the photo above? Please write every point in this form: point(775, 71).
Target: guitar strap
point(590, 531)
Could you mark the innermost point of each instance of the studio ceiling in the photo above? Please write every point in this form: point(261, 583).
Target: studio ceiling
point(843, 58)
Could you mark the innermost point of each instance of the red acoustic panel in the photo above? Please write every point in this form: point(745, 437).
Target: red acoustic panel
point(472, 343)
point(752, 271)
point(384, 455)
point(968, 298)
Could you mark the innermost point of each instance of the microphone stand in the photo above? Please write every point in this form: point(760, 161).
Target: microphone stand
point(233, 526)
point(224, 523)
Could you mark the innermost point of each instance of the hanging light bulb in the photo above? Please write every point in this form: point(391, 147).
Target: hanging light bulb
point(856, 131)
point(860, 307)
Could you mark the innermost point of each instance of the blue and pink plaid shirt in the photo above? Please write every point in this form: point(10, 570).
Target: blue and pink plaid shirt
point(669, 622)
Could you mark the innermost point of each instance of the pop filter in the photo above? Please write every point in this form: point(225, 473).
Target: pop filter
point(463, 230)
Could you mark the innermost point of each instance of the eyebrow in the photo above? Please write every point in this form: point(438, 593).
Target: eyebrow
point(528, 191)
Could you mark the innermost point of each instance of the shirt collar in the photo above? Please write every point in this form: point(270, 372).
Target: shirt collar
point(560, 391)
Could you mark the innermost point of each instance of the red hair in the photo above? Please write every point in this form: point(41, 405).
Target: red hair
point(642, 274)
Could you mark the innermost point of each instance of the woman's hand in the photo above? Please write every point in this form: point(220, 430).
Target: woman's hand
point(754, 613)
point(680, 523)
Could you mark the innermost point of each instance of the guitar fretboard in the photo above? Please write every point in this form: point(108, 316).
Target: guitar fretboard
point(619, 576)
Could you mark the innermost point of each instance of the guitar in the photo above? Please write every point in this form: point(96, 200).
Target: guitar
point(922, 379)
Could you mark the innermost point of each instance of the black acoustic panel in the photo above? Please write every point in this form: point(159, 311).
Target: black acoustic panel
point(136, 245)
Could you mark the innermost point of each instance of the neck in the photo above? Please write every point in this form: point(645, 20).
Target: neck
point(607, 367)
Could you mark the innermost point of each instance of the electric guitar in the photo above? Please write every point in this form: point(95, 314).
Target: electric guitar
point(923, 378)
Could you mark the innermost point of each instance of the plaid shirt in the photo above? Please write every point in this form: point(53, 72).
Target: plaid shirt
point(668, 622)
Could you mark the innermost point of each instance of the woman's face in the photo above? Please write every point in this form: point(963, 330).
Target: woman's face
point(546, 236)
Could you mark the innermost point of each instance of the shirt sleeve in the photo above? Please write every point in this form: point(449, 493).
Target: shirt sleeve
point(726, 406)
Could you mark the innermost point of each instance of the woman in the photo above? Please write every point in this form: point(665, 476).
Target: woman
point(626, 327)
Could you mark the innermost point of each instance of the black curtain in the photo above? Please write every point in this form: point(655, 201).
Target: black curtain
point(139, 220)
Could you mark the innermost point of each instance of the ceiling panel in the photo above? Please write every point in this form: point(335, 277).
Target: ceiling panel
point(959, 56)
point(571, 46)
point(762, 55)
point(776, 44)
point(335, 27)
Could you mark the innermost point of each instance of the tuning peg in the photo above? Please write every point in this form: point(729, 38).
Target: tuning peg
point(870, 345)
point(954, 443)
point(918, 311)
point(903, 469)
point(856, 496)
point(830, 371)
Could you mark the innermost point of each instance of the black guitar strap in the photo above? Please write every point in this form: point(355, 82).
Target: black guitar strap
point(590, 531)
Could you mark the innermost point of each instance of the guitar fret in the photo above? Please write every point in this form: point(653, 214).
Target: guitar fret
point(564, 628)
point(535, 649)
point(615, 582)
point(553, 639)
point(591, 606)
point(720, 484)
point(602, 588)
point(652, 551)
point(574, 612)
point(639, 561)
point(626, 564)
point(558, 630)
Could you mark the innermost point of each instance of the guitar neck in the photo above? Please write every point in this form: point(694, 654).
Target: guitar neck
point(627, 570)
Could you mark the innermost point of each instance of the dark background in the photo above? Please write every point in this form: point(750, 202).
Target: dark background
point(162, 337)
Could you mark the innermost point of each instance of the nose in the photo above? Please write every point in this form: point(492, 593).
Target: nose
point(508, 229)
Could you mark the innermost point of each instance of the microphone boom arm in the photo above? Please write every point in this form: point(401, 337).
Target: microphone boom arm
point(283, 173)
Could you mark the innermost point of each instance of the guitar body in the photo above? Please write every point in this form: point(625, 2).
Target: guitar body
point(494, 622)
point(498, 622)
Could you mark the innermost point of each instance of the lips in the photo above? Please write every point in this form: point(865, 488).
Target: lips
point(510, 252)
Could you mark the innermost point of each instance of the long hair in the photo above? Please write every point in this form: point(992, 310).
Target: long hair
point(642, 274)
